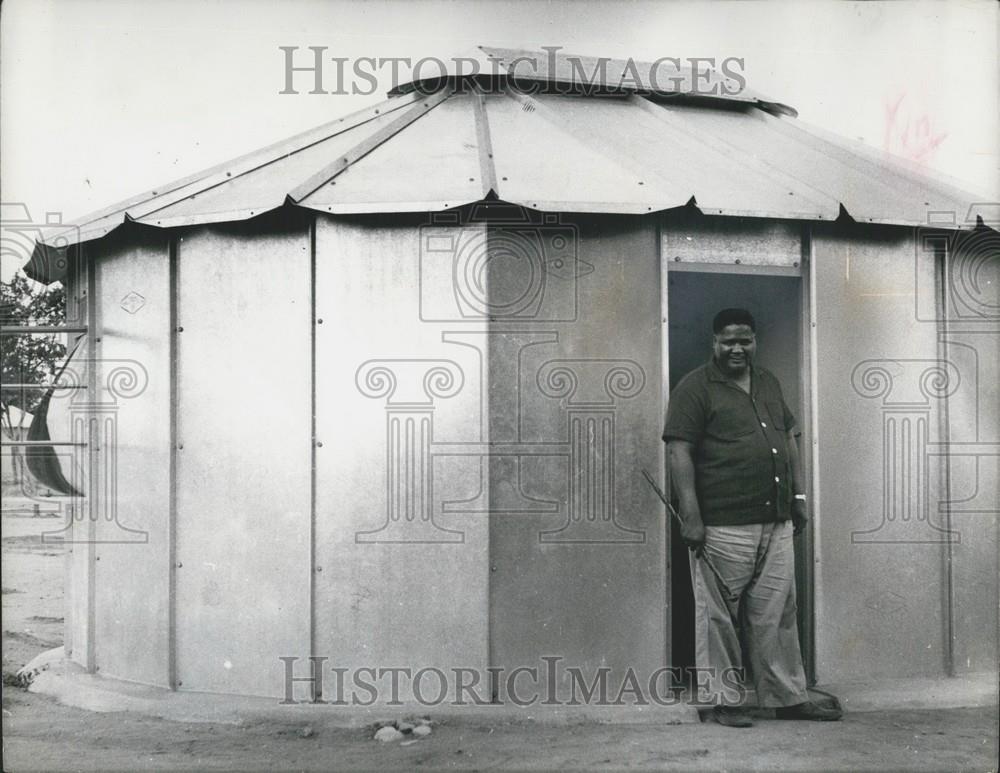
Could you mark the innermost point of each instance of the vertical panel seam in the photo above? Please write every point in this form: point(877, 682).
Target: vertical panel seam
point(806, 382)
point(817, 522)
point(94, 331)
point(942, 272)
point(664, 350)
point(313, 325)
point(173, 269)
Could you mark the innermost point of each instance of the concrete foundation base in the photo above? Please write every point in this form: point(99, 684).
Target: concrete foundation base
point(968, 690)
point(72, 686)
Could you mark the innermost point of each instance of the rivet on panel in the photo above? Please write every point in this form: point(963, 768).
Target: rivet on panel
point(319, 444)
point(319, 322)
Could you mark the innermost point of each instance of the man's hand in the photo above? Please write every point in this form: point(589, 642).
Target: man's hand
point(681, 455)
point(693, 532)
point(800, 516)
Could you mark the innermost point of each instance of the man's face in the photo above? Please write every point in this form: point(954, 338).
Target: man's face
point(734, 348)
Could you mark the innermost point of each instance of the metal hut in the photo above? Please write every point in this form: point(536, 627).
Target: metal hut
point(382, 393)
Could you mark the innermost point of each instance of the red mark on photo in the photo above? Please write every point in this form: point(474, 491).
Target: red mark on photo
point(909, 131)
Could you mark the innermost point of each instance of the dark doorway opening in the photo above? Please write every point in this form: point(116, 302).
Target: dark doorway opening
point(693, 299)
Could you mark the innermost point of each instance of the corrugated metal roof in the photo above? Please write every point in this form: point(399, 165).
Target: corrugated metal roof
point(626, 153)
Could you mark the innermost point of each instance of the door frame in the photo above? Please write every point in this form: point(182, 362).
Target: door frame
point(807, 590)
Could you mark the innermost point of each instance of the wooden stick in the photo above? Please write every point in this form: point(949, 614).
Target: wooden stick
point(703, 557)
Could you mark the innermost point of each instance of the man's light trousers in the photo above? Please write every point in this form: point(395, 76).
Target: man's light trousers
point(757, 562)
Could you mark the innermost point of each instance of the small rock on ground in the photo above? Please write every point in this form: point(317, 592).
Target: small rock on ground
point(386, 734)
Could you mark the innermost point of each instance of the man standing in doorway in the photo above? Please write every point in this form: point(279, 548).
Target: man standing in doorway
point(734, 464)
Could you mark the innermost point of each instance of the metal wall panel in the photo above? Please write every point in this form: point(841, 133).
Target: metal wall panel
point(132, 570)
point(401, 477)
point(243, 456)
point(731, 241)
point(880, 573)
point(79, 603)
point(577, 544)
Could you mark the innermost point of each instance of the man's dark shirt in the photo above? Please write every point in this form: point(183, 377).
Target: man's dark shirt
point(742, 468)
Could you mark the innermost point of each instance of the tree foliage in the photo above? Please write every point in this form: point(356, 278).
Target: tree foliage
point(29, 359)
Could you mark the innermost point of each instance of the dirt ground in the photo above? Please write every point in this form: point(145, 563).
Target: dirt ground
point(31, 584)
point(40, 734)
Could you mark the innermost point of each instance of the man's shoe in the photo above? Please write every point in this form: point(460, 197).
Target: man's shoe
point(808, 710)
point(732, 716)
